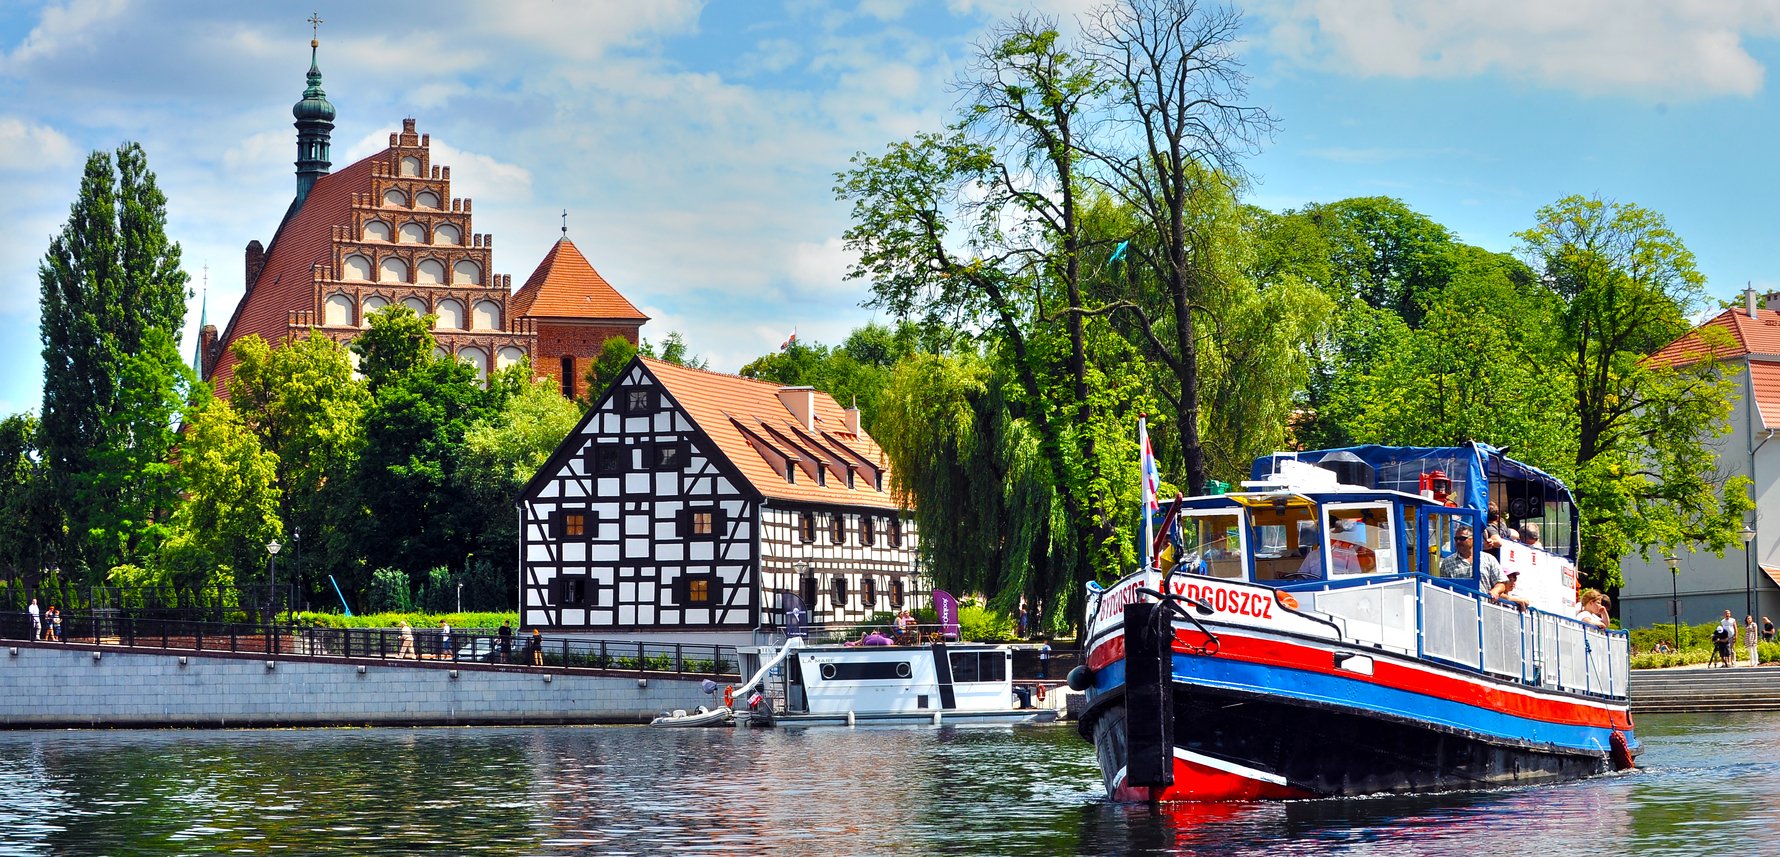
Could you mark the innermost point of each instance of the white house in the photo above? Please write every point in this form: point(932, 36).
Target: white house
point(687, 504)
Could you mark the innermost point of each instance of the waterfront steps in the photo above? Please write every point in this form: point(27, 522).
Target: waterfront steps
point(1687, 689)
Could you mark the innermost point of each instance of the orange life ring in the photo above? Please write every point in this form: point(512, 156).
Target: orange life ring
point(729, 696)
point(1041, 693)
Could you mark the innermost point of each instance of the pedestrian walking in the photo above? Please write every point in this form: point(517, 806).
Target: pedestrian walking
point(506, 633)
point(407, 649)
point(445, 640)
point(535, 648)
point(36, 620)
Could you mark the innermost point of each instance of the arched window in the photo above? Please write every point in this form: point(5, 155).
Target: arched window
point(410, 166)
point(376, 230)
point(395, 198)
point(416, 304)
point(475, 357)
point(357, 268)
point(392, 270)
point(488, 316)
point(451, 317)
point(413, 233)
point(338, 312)
point(440, 353)
point(445, 233)
point(508, 356)
point(466, 273)
point(373, 304)
point(430, 272)
point(426, 199)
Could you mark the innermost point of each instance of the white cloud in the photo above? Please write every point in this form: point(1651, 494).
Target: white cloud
point(1656, 50)
point(29, 146)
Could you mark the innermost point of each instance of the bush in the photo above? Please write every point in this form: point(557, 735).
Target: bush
point(389, 591)
point(468, 622)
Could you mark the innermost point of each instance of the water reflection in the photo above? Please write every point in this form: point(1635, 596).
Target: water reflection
point(568, 791)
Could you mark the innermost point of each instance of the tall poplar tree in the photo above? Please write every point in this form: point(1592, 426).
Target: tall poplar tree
point(113, 302)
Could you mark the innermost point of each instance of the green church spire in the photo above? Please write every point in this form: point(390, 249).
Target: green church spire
point(315, 121)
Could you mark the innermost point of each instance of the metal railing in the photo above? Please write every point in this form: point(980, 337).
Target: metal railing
point(1435, 620)
point(426, 645)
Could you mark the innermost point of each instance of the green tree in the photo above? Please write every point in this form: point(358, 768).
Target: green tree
point(25, 524)
point(217, 537)
point(615, 354)
point(501, 452)
point(302, 403)
point(1643, 473)
point(856, 373)
point(113, 299)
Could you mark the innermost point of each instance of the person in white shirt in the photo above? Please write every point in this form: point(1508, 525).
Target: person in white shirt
point(36, 620)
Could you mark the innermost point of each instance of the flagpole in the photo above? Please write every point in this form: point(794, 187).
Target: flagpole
point(1143, 448)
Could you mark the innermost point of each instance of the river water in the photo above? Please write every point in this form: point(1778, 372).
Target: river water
point(1708, 786)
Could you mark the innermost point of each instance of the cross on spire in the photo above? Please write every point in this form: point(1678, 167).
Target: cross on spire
point(565, 223)
point(315, 23)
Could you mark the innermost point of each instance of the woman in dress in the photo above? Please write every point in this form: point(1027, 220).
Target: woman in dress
point(1751, 635)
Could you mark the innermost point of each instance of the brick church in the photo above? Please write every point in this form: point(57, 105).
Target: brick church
point(386, 230)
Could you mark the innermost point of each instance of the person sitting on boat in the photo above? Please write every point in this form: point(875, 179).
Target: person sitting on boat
point(1590, 611)
point(1503, 590)
point(1458, 563)
point(874, 637)
point(905, 621)
point(1529, 535)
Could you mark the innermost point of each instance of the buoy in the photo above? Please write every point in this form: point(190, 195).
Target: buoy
point(729, 696)
point(1079, 679)
point(1620, 752)
point(1041, 693)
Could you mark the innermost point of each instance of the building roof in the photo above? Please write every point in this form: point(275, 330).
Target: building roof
point(565, 286)
point(742, 415)
point(1756, 341)
point(303, 240)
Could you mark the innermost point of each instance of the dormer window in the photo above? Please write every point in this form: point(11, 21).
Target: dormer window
point(791, 472)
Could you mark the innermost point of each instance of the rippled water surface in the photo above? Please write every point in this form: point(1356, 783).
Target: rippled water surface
point(1709, 786)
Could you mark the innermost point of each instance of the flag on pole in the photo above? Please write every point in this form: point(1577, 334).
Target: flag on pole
point(789, 340)
point(1152, 483)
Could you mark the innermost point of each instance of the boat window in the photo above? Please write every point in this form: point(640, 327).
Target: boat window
point(1285, 541)
point(1216, 537)
point(1437, 558)
point(1358, 539)
point(978, 666)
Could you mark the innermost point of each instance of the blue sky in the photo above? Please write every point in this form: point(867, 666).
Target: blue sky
point(694, 144)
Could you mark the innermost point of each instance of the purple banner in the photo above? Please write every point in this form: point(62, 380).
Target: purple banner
point(946, 608)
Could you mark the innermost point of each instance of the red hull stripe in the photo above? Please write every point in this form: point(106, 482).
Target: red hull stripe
point(1387, 672)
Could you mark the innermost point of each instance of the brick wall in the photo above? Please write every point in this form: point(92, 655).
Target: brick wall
point(580, 341)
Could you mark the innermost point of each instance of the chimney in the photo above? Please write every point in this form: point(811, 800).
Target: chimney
point(801, 402)
point(256, 260)
point(852, 415)
point(207, 350)
point(1749, 300)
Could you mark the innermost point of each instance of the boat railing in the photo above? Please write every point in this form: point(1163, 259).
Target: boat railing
point(1436, 620)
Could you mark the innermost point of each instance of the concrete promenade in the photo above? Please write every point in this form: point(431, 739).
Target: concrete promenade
point(1697, 689)
point(51, 685)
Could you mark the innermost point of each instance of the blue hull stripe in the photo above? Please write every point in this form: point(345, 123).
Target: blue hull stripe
point(1223, 673)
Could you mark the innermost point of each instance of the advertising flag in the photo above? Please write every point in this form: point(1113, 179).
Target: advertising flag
point(794, 615)
point(946, 608)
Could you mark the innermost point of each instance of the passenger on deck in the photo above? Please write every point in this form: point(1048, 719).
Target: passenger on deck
point(875, 638)
point(1590, 610)
point(1458, 563)
point(1529, 535)
point(1503, 590)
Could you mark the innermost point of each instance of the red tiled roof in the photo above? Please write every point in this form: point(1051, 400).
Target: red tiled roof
point(728, 407)
point(1764, 379)
point(303, 240)
point(1759, 335)
point(565, 285)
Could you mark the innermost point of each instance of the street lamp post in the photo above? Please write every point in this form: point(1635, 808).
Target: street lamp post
point(272, 581)
point(296, 546)
point(1748, 534)
point(1675, 595)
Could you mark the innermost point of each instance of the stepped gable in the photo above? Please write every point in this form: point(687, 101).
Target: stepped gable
point(303, 241)
point(566, 286)
point(1755, 340)
point(755, 427)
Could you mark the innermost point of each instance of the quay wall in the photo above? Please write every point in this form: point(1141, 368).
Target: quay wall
point(47, 685)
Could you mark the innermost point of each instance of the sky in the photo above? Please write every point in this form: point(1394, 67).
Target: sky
point(694, 145)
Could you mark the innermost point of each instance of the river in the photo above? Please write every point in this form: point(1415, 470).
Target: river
point(1707, 786)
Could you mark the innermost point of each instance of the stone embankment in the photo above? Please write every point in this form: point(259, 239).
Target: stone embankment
point(1692, 689)
point(49, 685)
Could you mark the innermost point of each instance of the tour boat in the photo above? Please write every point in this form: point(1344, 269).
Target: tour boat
point(1315, 637)
point(939, 683)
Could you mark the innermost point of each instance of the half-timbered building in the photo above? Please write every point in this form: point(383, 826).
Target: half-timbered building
point(687, 504)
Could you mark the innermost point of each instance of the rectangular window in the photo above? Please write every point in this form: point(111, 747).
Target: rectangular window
point(806, 526)
point(868, 593)
point(979, 666)
point(868, 531)
point(701, 523)
point(574, 525)
point(572, 590)
point(639, 401)
point(896, 531)
point(897, 593)
point(809, 592)
point(568, 377)
point(610, 458)
point(670, 455)
point(698, 590)
point(791, 472)
point(837, 529)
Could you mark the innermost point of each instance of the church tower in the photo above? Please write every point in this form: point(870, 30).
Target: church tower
point(315, 121)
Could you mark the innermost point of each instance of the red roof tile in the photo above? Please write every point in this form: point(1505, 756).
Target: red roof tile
point(1759, 335)
point(1764, 379)
point(565, 285)
point(729, 408)
point(303, 240)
